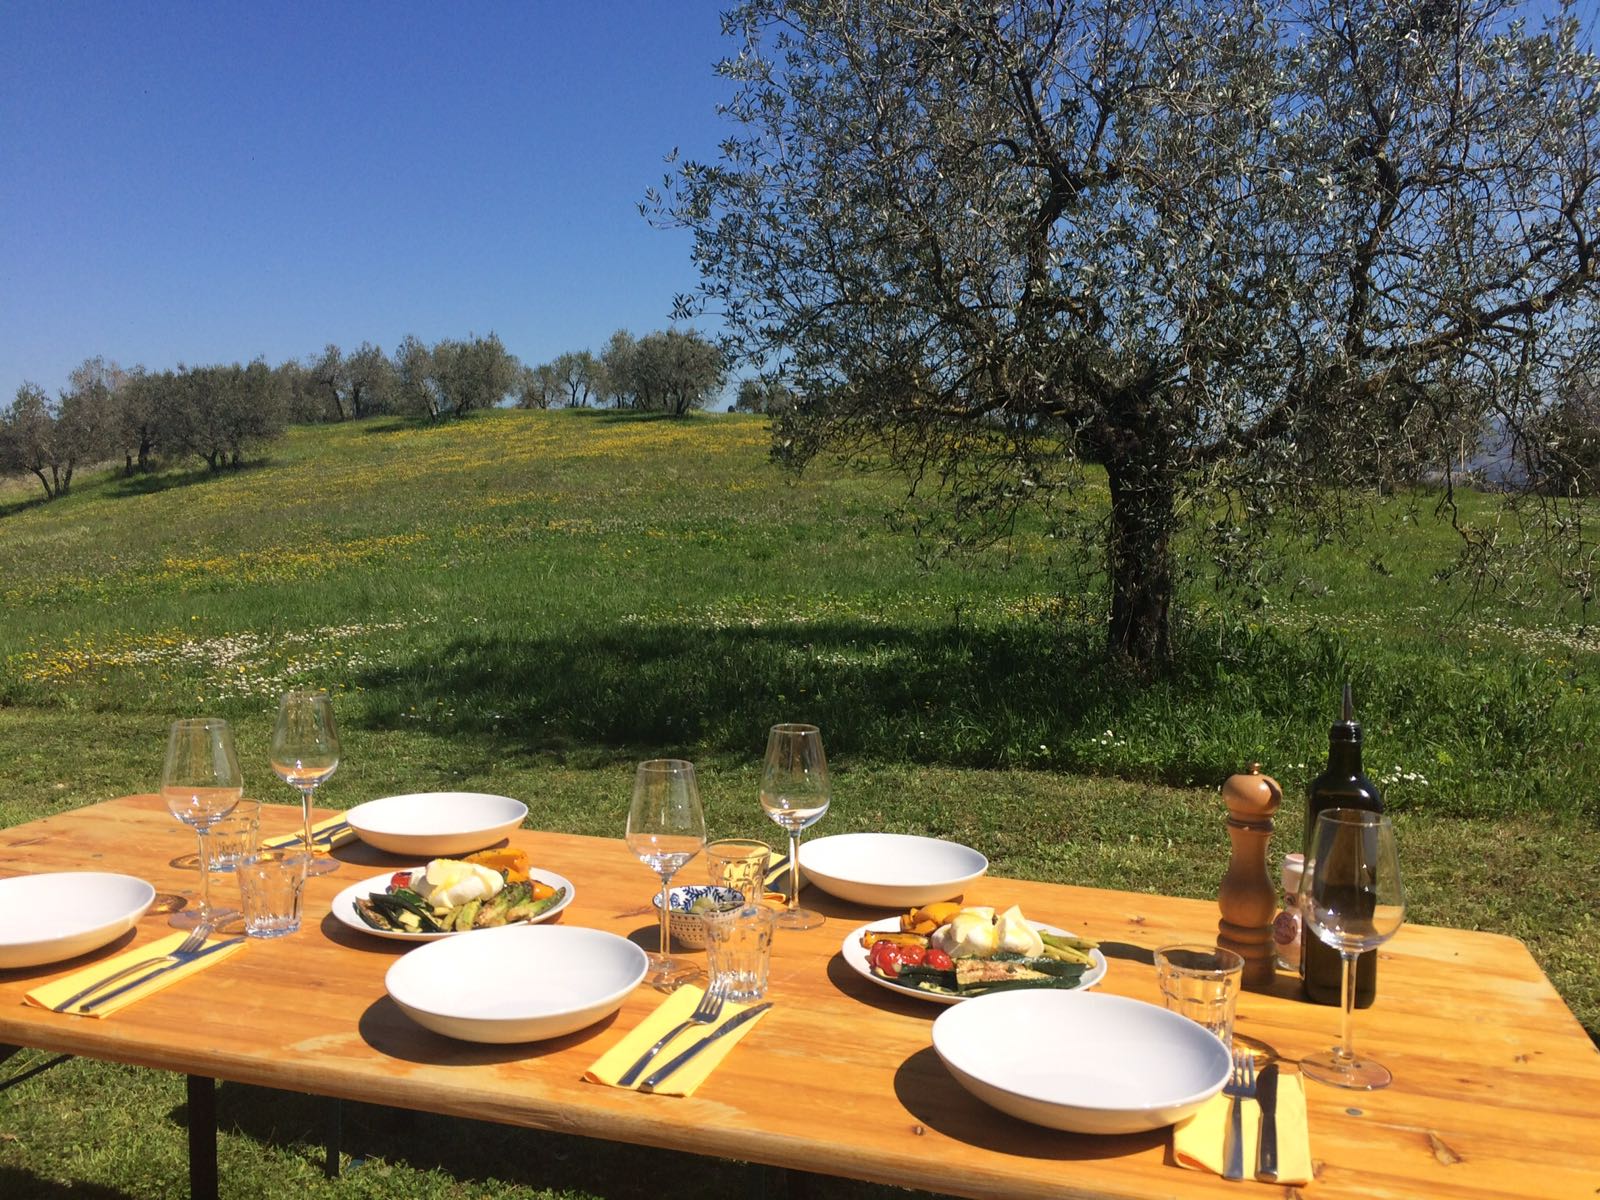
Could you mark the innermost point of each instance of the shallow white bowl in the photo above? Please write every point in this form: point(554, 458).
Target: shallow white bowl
point(48, 918)
point(894, 870)
point(518, 983)
point(432, 824)
point(1081, 1061)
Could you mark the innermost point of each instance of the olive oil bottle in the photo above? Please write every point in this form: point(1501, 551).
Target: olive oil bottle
point(1342, 785)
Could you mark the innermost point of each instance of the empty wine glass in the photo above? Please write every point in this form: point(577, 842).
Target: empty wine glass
point(305, 752)
point(666, 828)
point(1352, 898)
point(795, 793)
point(201, 783)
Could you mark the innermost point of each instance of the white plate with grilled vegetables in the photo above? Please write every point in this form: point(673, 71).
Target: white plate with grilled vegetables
point(408, 914)
point(976, 974)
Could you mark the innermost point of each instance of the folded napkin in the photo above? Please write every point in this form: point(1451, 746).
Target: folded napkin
point(1201, 1141)
point(51, 994)
point(675, 1010)
point(320, 835)
point(778, 876)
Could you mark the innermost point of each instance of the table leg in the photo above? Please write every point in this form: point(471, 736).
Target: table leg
point(333, 1135)
point(202, 1137)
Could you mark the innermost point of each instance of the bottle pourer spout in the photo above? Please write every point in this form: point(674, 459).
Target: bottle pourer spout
point(1349, 705)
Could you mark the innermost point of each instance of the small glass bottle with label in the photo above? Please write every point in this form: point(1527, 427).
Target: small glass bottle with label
point(1286, 929)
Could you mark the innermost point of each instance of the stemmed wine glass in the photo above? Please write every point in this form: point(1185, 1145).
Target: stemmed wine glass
point(201, 783)
point(1352, 898)
point(795, 793)
point(305, 752)
point(666, 828)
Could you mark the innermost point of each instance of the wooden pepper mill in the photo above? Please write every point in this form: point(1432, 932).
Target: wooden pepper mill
point(1248, 901)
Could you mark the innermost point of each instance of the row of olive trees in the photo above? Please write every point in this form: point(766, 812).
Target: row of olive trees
point(222, 413)
point(216, 413)
point(672, 371)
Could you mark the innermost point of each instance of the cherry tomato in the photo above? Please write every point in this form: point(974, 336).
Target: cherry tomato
point(913, 956)
point(400, 879)
point(884, 957)
point(938, 960)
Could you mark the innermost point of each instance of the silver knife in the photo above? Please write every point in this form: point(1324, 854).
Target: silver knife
point(727, 1026)
point(140, 982)
point(1267, 1098)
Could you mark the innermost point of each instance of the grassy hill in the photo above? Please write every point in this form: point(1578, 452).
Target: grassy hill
point(529, 602)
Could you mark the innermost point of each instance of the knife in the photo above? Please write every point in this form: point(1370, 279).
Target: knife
point(1267, 1098)
point(727, 1026)
point(144, 979)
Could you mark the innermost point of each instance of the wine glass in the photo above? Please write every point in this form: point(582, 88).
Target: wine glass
point(795, 793)
point(201, 783)
point(1352, 898)
point(666, 828)
point(305, 752)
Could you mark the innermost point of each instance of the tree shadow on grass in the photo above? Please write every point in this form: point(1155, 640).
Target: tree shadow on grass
point(950, 695)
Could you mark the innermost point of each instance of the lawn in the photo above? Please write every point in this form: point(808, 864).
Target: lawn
point(529, 602)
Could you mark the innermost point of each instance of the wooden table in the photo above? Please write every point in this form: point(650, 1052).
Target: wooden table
point(1496, 1092)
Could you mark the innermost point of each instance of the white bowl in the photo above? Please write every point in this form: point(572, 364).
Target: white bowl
point(48, 918)
point(1081, 1061)
point(432, 824)
point(892, 870)
point(517, 983)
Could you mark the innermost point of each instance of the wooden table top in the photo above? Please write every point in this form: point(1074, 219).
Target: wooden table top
point(1496, 1092)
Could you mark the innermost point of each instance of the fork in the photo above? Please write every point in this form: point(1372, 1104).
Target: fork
point(707, 1011)
point(188, 946)
point(1241, 1086)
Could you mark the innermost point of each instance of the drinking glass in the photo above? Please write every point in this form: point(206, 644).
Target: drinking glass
point(201, 783)
point(795, 793)
point(1352, 898)
point(740, 864)
point(666, 828)
point(305, 752)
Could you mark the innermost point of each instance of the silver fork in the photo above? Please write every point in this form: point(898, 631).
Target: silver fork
point(1241, 1086)
point(188, 946)
point(707, 1011)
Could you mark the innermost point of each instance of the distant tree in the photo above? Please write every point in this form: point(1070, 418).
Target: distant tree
point(298, 393)
point(369, 381)
point(768, 396)
point(474, 374)
point(538, 387)
point(29, 441)
point(1230, 253)
point(676, 372)
point(416, 392)
point(88, 423)
point(329, 382)
point(138, 419)
point(617, 361)
point(578, 372)
point(1567, 456)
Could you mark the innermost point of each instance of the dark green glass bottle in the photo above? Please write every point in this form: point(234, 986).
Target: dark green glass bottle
point(1342, 785)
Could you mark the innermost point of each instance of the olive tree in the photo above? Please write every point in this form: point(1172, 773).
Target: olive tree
point(1245, 257)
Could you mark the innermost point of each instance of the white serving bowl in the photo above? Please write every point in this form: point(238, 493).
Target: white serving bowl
point(517, 983)
point(690, 927)
point(1081, 1061)
point(435, 824)
point(49, 918)
point(891, 870)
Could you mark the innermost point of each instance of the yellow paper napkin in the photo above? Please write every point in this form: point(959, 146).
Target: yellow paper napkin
point(51, 994)
point(293, 839)
point(1200, 1142)
point(609, 1067)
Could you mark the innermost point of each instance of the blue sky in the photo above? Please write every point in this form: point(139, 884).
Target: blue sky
point(212, 182)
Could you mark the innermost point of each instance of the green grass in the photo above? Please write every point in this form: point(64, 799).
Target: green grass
point(529, 602)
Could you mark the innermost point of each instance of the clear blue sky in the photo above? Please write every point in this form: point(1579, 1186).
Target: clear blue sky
point(210, 182)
